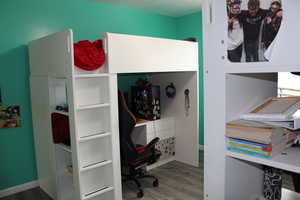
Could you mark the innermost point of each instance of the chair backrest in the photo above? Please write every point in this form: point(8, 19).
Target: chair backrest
point(127, 122)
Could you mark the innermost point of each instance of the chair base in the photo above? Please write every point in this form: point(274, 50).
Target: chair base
point(136, 174)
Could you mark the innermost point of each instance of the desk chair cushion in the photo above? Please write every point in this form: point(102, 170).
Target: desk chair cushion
point(146, 154)
point(146, 158)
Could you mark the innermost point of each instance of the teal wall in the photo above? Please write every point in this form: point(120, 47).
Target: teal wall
point(191, 26)
point(23, 21)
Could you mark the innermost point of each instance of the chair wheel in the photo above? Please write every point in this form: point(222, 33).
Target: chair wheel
point(155, 183)
point(140, 194)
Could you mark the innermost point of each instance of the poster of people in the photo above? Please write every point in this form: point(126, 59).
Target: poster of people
point(10, 117)
point(252, 29)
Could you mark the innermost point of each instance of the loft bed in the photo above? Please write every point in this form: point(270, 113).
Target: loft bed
point(92, 100)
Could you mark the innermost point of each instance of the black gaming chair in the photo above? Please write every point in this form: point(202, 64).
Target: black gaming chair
point(134, 157)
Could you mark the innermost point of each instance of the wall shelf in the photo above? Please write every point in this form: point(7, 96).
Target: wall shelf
point(64, 178)
point(60, 112)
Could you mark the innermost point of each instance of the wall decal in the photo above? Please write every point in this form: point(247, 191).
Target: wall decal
point(166, 147)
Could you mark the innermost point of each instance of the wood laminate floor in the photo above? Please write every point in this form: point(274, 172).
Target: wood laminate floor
point(33, 194)
point(178, 181)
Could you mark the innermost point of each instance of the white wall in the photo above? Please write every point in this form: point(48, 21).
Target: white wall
point(290, 81)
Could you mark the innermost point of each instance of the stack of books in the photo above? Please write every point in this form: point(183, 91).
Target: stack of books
point(257, 138)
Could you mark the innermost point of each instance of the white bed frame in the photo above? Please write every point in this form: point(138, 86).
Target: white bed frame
point(93, 109)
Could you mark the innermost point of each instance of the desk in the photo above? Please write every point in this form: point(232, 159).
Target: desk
point(145, 131)
point(141, 122)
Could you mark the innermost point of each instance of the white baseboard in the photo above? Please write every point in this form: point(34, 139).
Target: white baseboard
point(18, 188)
point(160, 163)
point(201, 147)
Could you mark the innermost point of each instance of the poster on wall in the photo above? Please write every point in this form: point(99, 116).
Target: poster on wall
point(252, 29)
point(0, 97)
point(10, 117)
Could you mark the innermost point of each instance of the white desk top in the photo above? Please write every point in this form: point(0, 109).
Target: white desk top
point(141, 122)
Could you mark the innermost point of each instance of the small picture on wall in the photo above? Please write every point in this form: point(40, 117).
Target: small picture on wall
point(10, 117)
point(0, 97)
point(252, 29)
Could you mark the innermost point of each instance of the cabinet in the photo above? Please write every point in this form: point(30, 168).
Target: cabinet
point(232, 89)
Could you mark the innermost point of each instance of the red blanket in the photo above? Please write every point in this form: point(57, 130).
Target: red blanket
point(89, 56)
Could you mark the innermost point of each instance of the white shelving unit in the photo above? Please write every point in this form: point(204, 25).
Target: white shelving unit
point(92, 100)
point(232, 89)
point(94, 152)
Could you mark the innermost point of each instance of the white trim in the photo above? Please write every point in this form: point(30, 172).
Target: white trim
point(201, 147)
point(160, 163)
point(18, 188)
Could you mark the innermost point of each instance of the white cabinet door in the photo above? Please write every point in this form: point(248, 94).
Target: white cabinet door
point(44, 146)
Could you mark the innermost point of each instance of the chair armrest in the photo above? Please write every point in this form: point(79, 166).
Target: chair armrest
point(152, 144)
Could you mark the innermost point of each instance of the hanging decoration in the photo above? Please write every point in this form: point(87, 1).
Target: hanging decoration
point(187, 101)
point(171, 91)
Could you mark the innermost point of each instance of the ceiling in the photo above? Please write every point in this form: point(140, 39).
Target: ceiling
point(173, 8)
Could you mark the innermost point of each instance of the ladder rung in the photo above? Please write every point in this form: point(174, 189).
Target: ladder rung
point(97, 192)
point(96, 165)
point(94, 136)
